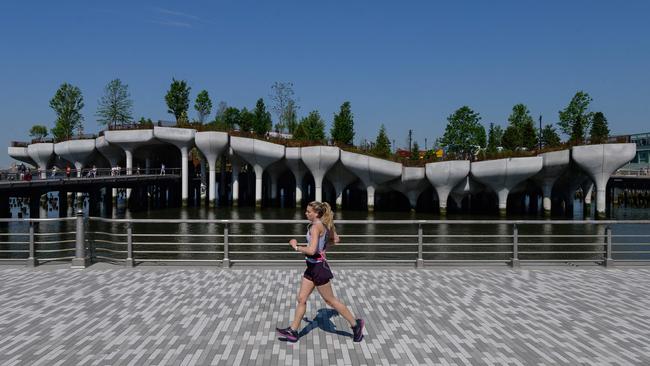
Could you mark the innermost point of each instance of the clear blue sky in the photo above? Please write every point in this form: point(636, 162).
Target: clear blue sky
point(406, 64)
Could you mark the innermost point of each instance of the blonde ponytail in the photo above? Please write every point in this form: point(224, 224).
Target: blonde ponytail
point(324, 212)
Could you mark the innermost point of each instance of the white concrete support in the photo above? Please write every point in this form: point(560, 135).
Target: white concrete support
point(588, 190)
point(21, 154)
point(236, 167)
point(444, 176)
point(372, 171)
point(297, 167)
point(260, 154)
point(554, 164)
point(370, 190)
point(599, 162)
point(183, 139)
point(184, 173)
point(341, 178)
point(212, 144)
point(129, 169)
point(504, 174)
point(41, 153)
point(319, 159)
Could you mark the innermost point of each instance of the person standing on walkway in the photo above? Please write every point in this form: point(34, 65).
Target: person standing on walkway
point(162, 169)
point(318, 274)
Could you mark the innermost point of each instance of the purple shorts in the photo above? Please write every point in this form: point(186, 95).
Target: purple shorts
point(318, 273)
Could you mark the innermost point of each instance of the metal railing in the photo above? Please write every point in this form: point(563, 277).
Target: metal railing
point(393, 242)
point(86, 173)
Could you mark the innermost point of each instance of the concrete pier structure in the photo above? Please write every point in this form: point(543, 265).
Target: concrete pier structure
point(21, 154)
point(183, 139)
point(235, 163)
point(341, 178)
point(259, 154)
point(412, 183)
point(41, 153)
point(212, 144)
point(114, 154)
point(79, 152)
point(129, 140)
point(372, 171)
point(444, 176)
point(297, 167)
point(504, 174)
point(553, 165)
point(599, 162)
point(319, 160)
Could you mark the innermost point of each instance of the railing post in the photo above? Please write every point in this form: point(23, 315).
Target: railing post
point(609, 261)
point(32, 261)
point(129, 245)
point(226, 260)
point(80, 259)
point(515, 247)
point(420, 262)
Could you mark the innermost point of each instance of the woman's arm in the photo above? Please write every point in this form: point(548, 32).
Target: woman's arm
point(312, 246)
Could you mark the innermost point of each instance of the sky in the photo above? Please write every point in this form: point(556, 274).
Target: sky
point(404, 64)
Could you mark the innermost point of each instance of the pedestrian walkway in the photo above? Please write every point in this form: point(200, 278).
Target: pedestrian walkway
point(108, 315)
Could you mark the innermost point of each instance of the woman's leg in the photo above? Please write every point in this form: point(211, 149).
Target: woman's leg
point(306, 288)
point(327, 294)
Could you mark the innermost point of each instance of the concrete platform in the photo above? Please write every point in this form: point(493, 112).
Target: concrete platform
point(108, 315)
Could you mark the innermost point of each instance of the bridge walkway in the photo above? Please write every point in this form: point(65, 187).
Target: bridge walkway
point(152, 315)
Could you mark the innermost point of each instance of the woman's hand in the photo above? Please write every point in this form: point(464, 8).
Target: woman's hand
point(294, 244)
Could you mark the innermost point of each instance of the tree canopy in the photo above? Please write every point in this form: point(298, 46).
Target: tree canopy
point(284, 105)
point(463, 134)
point(343, 127)
point(495, 134)
point(382, 146)
point(38, 131)
point(550, 137)
point(115, 107)
point(178, 99)
point(262, 122)
point(67, 104)
point(576, 118)
point(599, 129)
point(203, 105)
point(521, 132)
point(231, 118)
point(311, 128)
point(246, 120)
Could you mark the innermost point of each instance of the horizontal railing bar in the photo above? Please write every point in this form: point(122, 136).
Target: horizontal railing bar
point(293, 252)
point(562, 260)
point(106, 233)
point(629, 244)
point(56, 241)
point(566, 244)
point(632, 260)
point(12, 259)
point(178, 252)
point(631, 251)
point(466, 236)
point(178, 260)
point(59, 233)
point(332, 261)
point(365, 222)
point(172, 243)
point(562, 236)
point(468, 260)
point(630, 236)
point(110, 250)
point(72, 218)
point(55, 259)
point(14, 251)
point(14, 242)
point(110, 258)
point(109, 242)
point(468, 244)
point(183, 235)
point(55, 250)
point(14, 234)
point(567, 252)
point(510, 252)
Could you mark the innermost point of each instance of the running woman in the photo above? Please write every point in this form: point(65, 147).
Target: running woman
point(318, 274)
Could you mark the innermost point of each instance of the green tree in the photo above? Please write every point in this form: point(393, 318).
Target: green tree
point(291, 116)
point(343, 127)
point(382, 147)
point(550, 137)
point(178, 98)
point(415, 151)
point(145, 122)
point(313, 127)
point(246, 120)
point(115, 107)
point(300, 133)
point(231, 118)
point(262, 122)
point(522, 132)
point(203, 105)
point(599, 129)
point(67, 104)
point(576, 118)
point(495, 133)
point(283, 101)
point(463, 134)
point(38, 132)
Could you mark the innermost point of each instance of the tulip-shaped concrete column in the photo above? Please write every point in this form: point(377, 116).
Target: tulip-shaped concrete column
point(41, 153)
point(78, 152)
point(319, 159)
point(412, 183)
point(235, 163)
point(444, 176)
point(503, 174)
point(259, 154)
point(341, 178)
point(553, 165)
point(112, 153)
point(183, 139)
point(372, 171)
point(21, 154)
point(212, 144)
point(129, 140)
point(297, 167)
point(599, 162)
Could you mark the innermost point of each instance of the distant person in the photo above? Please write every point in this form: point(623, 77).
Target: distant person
point(93, 172)
point(162, 169)
point(67, 171)
point(53, 175)
point(321, 232)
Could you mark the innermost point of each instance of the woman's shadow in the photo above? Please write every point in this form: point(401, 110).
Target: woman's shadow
point(323, 320)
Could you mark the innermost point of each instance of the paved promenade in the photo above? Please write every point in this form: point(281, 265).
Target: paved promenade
point(108, 315)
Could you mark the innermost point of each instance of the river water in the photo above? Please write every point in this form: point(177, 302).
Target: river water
point(392, 243)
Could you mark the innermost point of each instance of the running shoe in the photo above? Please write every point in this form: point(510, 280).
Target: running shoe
point(290, 334)
point(357, 330)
